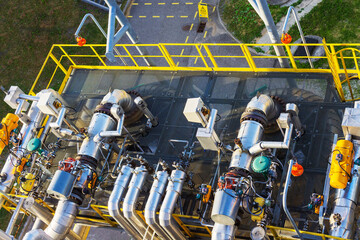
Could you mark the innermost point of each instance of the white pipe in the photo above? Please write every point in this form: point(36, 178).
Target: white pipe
point(261, 146)
point(152, 205)
point(116, 197)
point(131, 198)
point(223, 232)
point(173, 192)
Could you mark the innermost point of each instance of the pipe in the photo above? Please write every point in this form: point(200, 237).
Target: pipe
point(223, 232)
point(117, 132)
point(27, 134)
point(60, 118)
point(141, 104)
point(63, 219)
point(38, 224)
point(5, 236)
point(286, 188)
point(173, 192)
point(14, 216)
point(261, 146)
point(152, 205)
point(116, 196)
point(291, 8)
point(43, 215)
point(37, 234)
point(131, 198)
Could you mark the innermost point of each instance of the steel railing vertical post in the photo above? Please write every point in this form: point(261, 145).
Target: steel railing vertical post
point(212, 59)
point(98, 56)
point(292, 60)
point(201, 55)
point(130, 56)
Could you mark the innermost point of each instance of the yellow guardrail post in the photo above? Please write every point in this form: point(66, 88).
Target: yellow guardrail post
point(182, 225)
point(202, 56)
point(98, 56)
point(347, 79)
point(97, 210)
point(292, 60)
point(61, 48)
point(58, 63)
point(130, 56)
point(167, 56)
point(210, 56)
point(248, 57)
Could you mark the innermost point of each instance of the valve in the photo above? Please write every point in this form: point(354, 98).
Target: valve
point(297, 170)
point(316, 200)
point(205, 192)
point(67, 165)
point(80, 41)
point(286, 38)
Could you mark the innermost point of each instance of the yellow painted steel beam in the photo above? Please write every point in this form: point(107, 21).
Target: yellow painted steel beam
point(97, 210)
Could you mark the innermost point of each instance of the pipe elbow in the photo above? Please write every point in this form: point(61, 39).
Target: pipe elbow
point(128, 209)
point(37, 234)
point(165, 217)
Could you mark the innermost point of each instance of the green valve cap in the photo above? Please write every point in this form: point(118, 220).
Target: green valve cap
point(260, 164)
point(33, 145)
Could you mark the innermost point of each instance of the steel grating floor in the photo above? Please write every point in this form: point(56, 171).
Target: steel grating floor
point(166, 93)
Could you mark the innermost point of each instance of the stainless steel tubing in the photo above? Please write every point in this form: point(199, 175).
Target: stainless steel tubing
point(173, 192)
point(152, 205)
point(117, 132)
point(116, 196)
point(63, 219)
point(27, 132)
point(14, 216)
point(225, 207)
point(286, 188)
point(346, 203)
point(5, 236)
point(131, 198)
point(261, 146)
point(38, 224)
point(223, 232)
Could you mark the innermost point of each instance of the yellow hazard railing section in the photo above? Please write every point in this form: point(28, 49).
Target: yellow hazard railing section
point(189, 230)
point(340, 60)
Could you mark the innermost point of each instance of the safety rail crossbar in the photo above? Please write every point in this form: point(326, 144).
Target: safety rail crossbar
point(340, 60)
point(191, 230)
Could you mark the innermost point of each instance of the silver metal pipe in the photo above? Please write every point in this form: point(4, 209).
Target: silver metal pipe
point(286, 188)
point(5, 236)
point(141, 104)
point(261, 146)
point(60, 118)
point(63, 219)
point(131, 198)
point(37, 234)
point(211, 123)
point(173, 192)
point(14, 216)
point(117, 132)
point(46, 128)
point(223, 232)
point(38, 224)
point(343, 215)
point(43, 214)
point(29, 97)
point(116, 196)
point(27, 134)
point(263, 103)
point(152, 205)
point(292, 9)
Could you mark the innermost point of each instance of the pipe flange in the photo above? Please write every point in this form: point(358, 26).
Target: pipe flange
point(105, 109)
point(280, 106)
point(87, 160)
point(254, 115)
point(134, 114)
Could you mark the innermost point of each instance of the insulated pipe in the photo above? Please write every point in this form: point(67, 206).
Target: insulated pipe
point(37, 234)
point(173, 192)
point(116, 196)
point(5, 236)
point(63, 219)
point(131, 198)
point(223, 232)
point(261, 146)
point(38, 224)
point(42, 214)
point(343, 216)
point(152, 205)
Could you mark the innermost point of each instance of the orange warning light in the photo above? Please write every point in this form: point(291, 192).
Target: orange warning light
point(297, 170)
point(80, 41)
point(286, 38)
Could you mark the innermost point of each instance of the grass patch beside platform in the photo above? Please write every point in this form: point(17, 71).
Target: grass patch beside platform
point(27, 32)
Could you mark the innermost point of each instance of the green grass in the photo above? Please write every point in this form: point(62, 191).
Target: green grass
point(335, 20)
point(27, 31)
point(242, 20)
